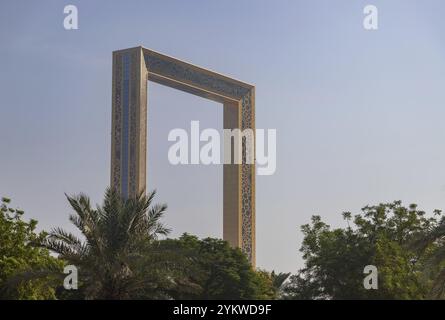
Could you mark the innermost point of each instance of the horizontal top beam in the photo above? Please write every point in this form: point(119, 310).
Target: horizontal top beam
point(190, 78)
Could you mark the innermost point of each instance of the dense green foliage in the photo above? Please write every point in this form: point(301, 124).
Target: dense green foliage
point(382, 235)
point(120, 256)
point(214, 270)
point(24, 267)
point(430, 244)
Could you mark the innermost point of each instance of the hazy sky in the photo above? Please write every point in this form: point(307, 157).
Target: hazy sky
point(359, 114)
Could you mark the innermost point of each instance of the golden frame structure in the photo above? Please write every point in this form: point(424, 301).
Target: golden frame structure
point(132, 68)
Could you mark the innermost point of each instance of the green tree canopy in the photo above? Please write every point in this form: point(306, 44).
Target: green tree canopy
point(430, 243)
point(25, 270)
point(214, 270)
point(381, 236)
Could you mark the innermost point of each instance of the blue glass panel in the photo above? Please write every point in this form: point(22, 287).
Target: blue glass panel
point(125, 124)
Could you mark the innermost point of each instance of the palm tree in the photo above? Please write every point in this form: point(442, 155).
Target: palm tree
point(116, 235)
point(432, 243)
point(278, 279)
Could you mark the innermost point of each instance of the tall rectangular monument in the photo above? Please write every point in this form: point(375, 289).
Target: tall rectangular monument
point(132, 68)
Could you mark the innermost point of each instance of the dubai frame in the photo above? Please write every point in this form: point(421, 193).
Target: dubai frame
point(132, 68)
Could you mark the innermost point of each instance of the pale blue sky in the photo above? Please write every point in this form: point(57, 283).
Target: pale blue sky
point(359, 114)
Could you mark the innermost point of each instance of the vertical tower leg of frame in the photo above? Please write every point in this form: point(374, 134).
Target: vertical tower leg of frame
point(232, 183)
point(248, 245)
point(239, 182)
point(129, 123)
